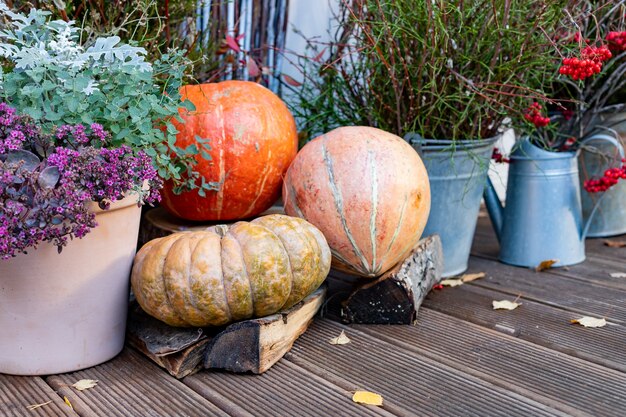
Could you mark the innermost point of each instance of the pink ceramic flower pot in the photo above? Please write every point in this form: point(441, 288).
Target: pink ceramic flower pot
point(64, 312)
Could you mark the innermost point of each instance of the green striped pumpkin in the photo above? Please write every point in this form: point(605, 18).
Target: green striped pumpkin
point(366, 190)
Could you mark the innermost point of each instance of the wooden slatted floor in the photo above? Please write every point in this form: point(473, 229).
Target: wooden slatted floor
point(461, 359)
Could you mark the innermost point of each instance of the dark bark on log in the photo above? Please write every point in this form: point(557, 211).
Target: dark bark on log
point(395, 297)
point(247, 346)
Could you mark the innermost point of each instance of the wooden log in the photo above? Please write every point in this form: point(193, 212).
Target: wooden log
point(256, 345)
point(179, 350)
point(396, 296)
point(247, 346)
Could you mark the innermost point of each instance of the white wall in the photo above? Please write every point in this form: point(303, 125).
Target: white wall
point(314, 19)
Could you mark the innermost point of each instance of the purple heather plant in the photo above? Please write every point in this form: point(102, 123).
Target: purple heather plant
point(48, 179)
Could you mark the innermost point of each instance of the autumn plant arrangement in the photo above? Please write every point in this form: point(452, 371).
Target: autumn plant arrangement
point(49, 178)
point(443, 75)
point(52, 77)
point(586, 100)
point(86, 134)
point(441, 70)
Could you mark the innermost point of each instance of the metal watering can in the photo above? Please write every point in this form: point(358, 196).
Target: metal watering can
point(542, 218)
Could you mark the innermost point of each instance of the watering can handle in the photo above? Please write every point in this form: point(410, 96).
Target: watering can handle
point(604, 137)
point(613, 141)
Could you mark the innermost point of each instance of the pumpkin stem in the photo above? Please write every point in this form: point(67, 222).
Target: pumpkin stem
point(220, 229)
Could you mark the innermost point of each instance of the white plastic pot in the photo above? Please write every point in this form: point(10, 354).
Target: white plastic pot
point(64, 312)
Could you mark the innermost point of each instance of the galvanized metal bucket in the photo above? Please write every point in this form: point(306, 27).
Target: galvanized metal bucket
point(542, 219)
point(597, 155)
point(457, 171)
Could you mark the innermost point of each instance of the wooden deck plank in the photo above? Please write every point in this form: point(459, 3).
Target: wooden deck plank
point(584, 298)
point(596, 269)
point(131, 385)
point(17, 393)
point(407, 380)
point(535, 322)
point(284, 390)
point(569, 384)
point(597, 248)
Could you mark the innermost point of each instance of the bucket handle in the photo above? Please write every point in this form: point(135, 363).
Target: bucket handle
point(415, 140)
point(613, 141)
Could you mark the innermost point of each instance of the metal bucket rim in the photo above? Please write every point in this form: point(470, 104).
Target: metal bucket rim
point(453, 145)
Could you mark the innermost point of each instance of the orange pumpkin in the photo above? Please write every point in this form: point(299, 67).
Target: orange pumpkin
point(223, 274)
point(253, 140)
point(366, 190)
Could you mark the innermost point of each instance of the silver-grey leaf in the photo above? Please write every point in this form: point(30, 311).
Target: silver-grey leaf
point(49, 177)
point(30, 159)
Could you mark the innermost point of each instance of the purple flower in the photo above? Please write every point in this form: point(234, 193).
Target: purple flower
point(55, 210)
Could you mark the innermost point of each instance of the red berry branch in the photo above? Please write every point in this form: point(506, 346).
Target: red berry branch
point(616, 41)
point(589, 63)
point(610, 178)
point(533, 115)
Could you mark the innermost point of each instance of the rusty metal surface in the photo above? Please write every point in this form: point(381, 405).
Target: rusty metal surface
point(17, 393)
point(130, 385)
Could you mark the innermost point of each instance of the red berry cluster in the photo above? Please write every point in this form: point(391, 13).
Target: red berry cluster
point(533, 115)
point(617, 41)
point(498, 157)
point(610, 178)
point(588, 64)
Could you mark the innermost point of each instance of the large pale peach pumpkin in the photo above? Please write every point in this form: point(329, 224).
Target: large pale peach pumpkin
point(366, 190)
point(224, 274)
point(253, 140)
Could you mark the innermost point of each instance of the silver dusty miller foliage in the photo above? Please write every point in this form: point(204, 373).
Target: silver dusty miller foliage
point(51, 76)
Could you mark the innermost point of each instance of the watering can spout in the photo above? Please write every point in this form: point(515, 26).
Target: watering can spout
point(494, 208)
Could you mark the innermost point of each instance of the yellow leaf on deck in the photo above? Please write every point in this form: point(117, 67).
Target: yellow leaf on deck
point(366, 397)
point(36, 406)
point(615, 243)
point(69, 404)
point(342, 339)
point(85, 384)
point(590, 322)
point(472, 277)
point(505, 305)
point(547, 264)
point(451, 282)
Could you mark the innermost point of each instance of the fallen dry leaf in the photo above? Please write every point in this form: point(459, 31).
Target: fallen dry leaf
point(342, 339)
point(505, 305)
point(590, 322)
point(366, 397)
point(547, 264)
point(84, 384)
point(618, 274)
point(69, 404)
point(451, 282)
point(472, 277)
point(36, 406)
point(615, 243)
